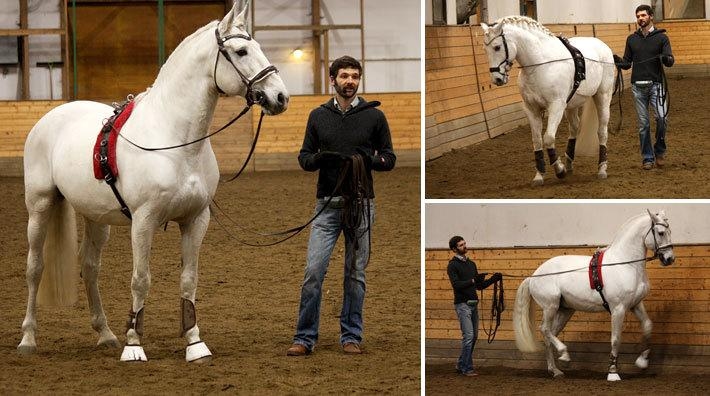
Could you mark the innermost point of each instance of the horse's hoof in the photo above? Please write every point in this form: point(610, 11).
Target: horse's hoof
point(202, 360)
point(133, 353)
point(641, 362)
point(564, 357)
point(561, 174)
point(109, 343)
point(602, 171)
point(568, 165)
point(538, 180)
point(613, 377)
point(558, 374)
point(197, 352)
point(560, 170)
point(26, 349)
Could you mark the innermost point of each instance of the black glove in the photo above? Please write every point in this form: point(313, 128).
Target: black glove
point(329, 158)
point(497, 277)
point(666, 59)
point(618, 59)
point(480, 278)
point(366, 157)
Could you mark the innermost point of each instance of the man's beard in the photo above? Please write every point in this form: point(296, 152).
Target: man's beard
point(345, 92)
point(643, 23)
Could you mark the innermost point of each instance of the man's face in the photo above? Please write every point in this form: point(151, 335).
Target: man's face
point(461, 247)
point(643, 19)
point(346, 82)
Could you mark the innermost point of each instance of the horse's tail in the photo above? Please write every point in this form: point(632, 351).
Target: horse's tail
point(60, 275)
point(523, 319)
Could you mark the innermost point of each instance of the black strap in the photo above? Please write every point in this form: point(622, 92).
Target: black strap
point(579, 65)
point(596, 268)
point(109, 176)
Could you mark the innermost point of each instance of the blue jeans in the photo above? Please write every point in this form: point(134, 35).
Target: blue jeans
point(325, 230)
point(468, 319)
point(646, 96)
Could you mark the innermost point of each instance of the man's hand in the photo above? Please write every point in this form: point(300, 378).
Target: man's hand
point(667, 60)
point(497, 277)
point(618, 59)
point(329, 158)
point(366, 157)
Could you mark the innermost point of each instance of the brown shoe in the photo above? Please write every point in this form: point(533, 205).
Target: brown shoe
point(647, 165)
point(351, 348)
point(660, 161)
point(298, 350)
point(471, 374)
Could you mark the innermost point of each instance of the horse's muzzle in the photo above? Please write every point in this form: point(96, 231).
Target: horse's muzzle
point(667, 258)
point(275, 105)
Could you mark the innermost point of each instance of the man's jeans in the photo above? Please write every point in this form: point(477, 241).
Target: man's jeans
point(325, 230)
point(468, 318)
point(646, 96)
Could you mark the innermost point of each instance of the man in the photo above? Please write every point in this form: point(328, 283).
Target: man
point(339, 132)
point(646, 49)
point(465, 280)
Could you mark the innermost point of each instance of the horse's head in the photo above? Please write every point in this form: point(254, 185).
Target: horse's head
point(500, 51)
point(241, 68)
point(658, 238)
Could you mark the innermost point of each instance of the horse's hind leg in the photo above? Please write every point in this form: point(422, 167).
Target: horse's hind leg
point(192, 235)
point(572, 116)
point(550, 321)
point(95, 236)
point(602, 101)
point(563, 316)
point(646, 326)
point(535, 119)
point(39, 207)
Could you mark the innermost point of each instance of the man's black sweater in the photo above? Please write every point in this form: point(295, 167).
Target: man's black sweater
point(646, 54)
point(465, 279)
point(328, 129)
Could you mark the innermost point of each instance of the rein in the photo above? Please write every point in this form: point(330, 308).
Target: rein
point(352, 173)
point(497, 308)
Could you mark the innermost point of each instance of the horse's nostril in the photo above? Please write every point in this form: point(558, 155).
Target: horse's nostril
point(281, 98)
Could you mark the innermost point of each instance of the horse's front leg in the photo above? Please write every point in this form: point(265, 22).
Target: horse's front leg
point(572, 116)
point(646, 326)
point(192, 235)
point(555, 112)
point(535, 119)
point(142, 231)
point(617, 322)
point(602, 102)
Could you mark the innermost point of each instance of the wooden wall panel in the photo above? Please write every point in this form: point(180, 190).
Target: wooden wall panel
point(279, 143)
point(463, 107)
point(678, 304)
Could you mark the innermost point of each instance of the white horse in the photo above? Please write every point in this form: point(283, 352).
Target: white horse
point(160, 186)
point(561, 286)
point(546, 80)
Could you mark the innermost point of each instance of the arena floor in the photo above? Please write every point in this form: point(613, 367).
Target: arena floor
point(246, 309)
point(441, 379)
point(504, 166)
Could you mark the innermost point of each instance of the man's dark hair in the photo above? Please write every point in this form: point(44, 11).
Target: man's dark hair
point(344, 62)
point(644, 7)
point(454, 241)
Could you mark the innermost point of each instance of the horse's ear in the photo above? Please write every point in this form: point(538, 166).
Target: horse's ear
point(485, 28)
point(240, 20)
point(226, 23)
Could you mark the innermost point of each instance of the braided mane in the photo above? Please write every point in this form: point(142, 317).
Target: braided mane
point(525, 23)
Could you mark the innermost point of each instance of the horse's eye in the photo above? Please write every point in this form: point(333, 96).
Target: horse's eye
point(497, 48)
point(241, 52)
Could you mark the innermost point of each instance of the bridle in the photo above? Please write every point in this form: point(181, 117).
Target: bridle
point(501, 68)
point(657, 247)
point(251, 96)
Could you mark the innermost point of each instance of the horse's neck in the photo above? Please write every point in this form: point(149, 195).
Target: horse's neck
point(183, 97)
point(629, 243)
point(535, 47)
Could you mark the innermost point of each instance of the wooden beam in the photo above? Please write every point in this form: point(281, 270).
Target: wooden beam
point(305, 27)
point(64, 40)
point(30, 32)
point(315, 40)
point(25, 58)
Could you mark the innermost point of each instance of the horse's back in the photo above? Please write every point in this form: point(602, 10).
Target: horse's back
point(593, 48)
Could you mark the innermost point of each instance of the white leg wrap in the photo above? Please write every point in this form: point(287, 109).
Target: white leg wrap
point(602, 171)
point(197, 351)
point(613, 377)
point(133, 353)
point(538, 180)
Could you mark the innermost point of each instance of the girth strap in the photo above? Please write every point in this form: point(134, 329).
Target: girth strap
point(595, 276)
point(109, 175)
point(579, 65)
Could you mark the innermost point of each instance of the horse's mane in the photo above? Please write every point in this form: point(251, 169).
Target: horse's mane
point(626, 225)
point(524, 23)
